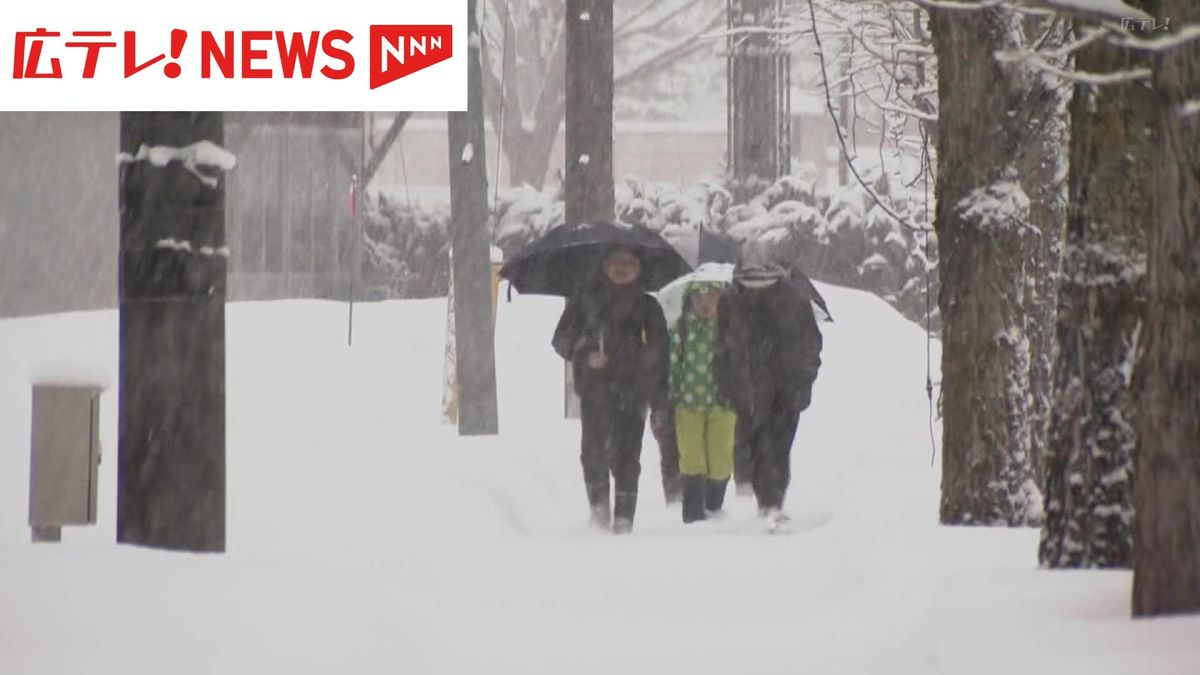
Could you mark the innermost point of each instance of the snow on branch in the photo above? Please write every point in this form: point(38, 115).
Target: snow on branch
point(958, 6)
point(1091, 9)
point(1108, 9)
point(841, 136)
point(1038, 62)
point(1190, 108)
point(905, 110)
point(200, 155)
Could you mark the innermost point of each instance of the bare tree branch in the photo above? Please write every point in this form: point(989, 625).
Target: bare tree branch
point(1037, 61)
point(385, 145)
point(629, 30)
point(911, 112)
point(634, 16)
point(670, 54)
point(842, 138)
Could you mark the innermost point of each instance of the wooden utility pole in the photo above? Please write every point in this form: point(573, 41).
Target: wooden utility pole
point(759, 104)
point(589, 112)
point(471, 261)
point(171, 446)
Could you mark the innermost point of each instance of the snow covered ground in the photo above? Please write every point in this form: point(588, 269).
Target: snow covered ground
point(363, 537)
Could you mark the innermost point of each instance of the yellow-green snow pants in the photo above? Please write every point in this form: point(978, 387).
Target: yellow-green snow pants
point(705, 441)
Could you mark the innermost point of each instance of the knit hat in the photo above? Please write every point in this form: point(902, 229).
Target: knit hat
point(758, 267)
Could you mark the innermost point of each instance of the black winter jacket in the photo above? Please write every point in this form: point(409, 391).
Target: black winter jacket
point(629, 327)
point(768, 348)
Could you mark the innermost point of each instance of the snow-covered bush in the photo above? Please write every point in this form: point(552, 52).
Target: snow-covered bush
point(841, 237)
point(405, 249)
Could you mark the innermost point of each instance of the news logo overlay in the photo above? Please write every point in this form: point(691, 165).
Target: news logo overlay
point(364, 56)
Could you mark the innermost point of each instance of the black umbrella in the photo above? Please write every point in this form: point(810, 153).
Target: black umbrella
point(718, 247)
point(806, 285)
point(564, 259)
point(705, 246)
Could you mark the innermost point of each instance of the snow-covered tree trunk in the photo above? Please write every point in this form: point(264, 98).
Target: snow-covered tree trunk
point(1043, 172)
point(475, 358)
point(173, 260)
point(985, 240)
point(588, 163)
point(1091, 438)
point(1166, 565)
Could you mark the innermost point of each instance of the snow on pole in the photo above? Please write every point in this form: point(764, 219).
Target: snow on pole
point(450, 359)
point(199, 158)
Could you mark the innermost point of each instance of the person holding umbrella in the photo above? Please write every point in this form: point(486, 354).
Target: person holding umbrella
point(615, 337)
point(767, 359)
point(613, 334)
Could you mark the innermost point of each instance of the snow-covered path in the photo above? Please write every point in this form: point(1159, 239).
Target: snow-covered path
point(365, 538)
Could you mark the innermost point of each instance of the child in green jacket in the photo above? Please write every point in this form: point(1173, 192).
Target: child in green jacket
point(704, 423)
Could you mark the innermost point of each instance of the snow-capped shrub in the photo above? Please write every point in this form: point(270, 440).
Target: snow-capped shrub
point(841, 237)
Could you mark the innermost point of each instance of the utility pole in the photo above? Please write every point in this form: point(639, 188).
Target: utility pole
point(471, 267)
point(589, 112)
point(759, 103)
point(171, 447)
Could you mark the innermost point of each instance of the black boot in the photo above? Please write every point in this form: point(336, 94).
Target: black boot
point(714, 495)
point(598, 500)
point(623, 510)
point(693, 498)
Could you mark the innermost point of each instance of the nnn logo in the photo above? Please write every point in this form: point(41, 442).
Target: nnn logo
point(397, 51)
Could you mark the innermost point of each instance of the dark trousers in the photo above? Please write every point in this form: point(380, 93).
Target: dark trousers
point(662, 423)
point(743, 460)
point(765, 444)
point(611, 444)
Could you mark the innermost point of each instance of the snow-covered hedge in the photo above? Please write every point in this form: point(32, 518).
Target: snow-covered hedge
point(840, 237)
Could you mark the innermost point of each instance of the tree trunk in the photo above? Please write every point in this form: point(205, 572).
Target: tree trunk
point(985, 241)
point(1091, 437)
point(588, 164)
point(1043, 171)
point(171, 436)
point(471, 246)
point(1166, 565)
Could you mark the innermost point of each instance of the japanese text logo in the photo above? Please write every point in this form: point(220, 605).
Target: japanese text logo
point(161, 63)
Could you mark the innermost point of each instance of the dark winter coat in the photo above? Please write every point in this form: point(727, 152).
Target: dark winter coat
point(629, 327)
point(768, 348)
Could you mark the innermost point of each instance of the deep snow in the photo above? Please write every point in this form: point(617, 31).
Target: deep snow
point(363, 537)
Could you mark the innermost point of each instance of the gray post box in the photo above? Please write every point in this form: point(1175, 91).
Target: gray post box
point(64, 458)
